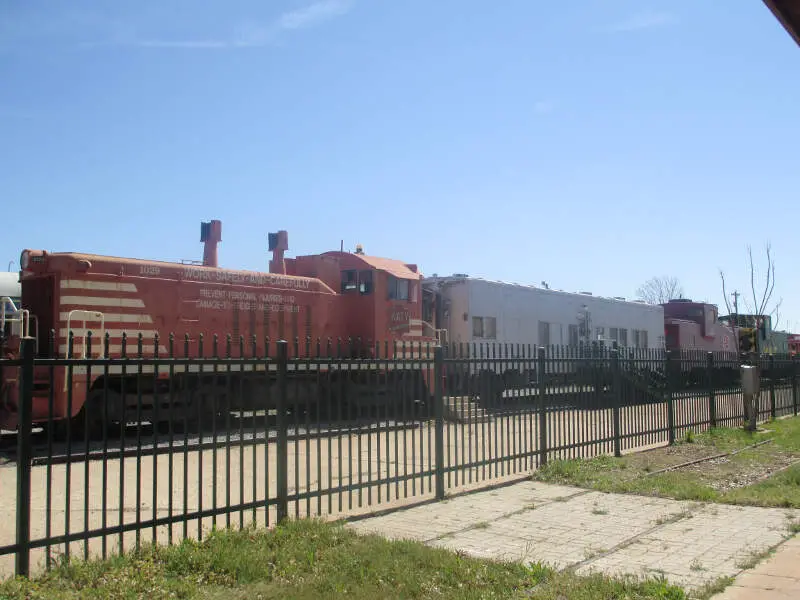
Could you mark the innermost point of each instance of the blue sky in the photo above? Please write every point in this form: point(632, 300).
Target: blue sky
point(591, 144)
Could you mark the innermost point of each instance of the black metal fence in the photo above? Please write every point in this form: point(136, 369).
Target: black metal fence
point(159, 449)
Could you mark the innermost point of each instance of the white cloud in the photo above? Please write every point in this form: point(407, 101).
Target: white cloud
point(249, 35)
point(315, 13)
point(644, 21)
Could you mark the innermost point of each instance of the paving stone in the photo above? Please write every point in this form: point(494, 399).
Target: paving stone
point(690, 543)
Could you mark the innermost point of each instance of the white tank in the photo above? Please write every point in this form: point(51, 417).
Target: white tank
point(10, 287)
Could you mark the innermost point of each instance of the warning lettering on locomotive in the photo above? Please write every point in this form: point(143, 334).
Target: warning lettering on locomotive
point(212, 299)
point(195, 274)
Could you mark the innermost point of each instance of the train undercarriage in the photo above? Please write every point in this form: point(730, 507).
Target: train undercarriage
point(195, 401)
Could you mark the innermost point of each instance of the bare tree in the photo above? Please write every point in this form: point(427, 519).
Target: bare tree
point(762, 308)
point(659, 290)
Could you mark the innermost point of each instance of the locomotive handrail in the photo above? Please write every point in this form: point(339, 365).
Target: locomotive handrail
point(439, 334)
point(20, 315)
point(98, 316)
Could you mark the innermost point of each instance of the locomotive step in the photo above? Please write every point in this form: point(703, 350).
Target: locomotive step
point(463, 409)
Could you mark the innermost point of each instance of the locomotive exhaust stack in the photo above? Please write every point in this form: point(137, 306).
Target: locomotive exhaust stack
point(278, 244)
point(210, 235)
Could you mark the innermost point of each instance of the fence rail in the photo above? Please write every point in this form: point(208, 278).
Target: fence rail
point(159, 449)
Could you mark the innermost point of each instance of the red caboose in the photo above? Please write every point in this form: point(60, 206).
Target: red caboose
point(794, 344)
point(331, 296)
point(693, 326)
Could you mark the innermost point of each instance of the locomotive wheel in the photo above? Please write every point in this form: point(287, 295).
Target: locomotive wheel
point(78, 426)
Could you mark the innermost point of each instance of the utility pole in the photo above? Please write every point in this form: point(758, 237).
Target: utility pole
point(736, 295)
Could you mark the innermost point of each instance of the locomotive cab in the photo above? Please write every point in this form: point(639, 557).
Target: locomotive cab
point(379, 302)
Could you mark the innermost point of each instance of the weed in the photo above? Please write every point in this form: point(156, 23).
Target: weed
point(753, 559)
point(313, 559)
point(712, 588)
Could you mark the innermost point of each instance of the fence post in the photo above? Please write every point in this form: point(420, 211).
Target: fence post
point(670, 396)
point(712, 392)
point(438, 407)
point(772, 410)
point(616, 401)
point(540, 367)
point(794, 385)
point(24, 459)
point(282, 461)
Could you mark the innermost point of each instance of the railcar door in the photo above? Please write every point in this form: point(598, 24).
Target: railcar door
point(38, 296)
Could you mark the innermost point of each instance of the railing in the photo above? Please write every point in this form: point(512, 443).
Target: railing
point(243, 438)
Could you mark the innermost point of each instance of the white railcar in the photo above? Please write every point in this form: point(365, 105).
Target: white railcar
point(493, 313)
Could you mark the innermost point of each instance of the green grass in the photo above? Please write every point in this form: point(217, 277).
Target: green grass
point(312, 559)
point(729, 481)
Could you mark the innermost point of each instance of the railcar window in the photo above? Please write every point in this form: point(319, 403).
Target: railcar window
point(484, 327)
point(573, 335)
point(640, 338)
point(544, 333)
point(477, 327)
point(490, 327)
point(623, 337)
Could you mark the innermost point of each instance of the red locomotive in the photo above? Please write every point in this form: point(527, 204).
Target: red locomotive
point(330, 296)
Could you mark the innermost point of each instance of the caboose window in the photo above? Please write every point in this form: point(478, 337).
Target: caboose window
point(398, 288)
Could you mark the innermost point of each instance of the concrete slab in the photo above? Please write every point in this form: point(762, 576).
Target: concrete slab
point(690, 543)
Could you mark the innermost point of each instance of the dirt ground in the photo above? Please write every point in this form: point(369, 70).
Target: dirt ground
point(721, 473)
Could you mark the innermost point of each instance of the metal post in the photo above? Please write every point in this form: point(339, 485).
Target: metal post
point(616, 401)
point(541, 363)
point(438, 407)
point(794, 385)
point(712, 392)
point(772, 410)
point(24, 459)
point(670, 396)
point(282, 463)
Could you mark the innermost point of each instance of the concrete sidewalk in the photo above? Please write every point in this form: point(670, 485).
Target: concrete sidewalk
point(690, 543)
point(776, 578)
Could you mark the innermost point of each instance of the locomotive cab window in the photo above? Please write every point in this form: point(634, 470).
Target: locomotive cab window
point(349, 281)
point(398, 289)
point(357, 281)
point(365, 282)
point(360, 281)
